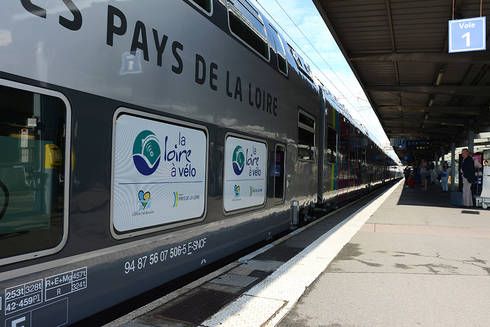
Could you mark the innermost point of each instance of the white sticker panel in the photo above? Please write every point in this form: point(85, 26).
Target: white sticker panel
point(159, 173)
point(245, 174)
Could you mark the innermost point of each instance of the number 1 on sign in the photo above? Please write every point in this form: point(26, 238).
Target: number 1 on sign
point(467, 37)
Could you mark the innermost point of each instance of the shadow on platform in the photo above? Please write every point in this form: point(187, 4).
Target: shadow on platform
point(433, 197)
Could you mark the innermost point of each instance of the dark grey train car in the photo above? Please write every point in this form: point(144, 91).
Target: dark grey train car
point(143, 141)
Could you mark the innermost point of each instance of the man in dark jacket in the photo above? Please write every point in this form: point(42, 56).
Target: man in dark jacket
point(468, 172)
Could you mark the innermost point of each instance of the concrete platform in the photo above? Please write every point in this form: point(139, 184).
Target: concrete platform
point(416, 262)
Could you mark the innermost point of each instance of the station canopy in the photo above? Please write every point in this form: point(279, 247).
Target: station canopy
point(398, 50)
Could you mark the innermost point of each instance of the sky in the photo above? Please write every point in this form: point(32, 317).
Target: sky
point(301, 24)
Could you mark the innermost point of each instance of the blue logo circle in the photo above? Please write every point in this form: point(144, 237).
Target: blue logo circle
point(146, 153)
point(238, 160)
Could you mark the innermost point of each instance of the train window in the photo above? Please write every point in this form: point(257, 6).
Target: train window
point(306, 136)
point(205, 5)
point(33, 172)
point(331, 145)
point(279, 172)
point(282, 63)
point(159, 173)
point(302, 65)
point(245, 177)
point(246, 24)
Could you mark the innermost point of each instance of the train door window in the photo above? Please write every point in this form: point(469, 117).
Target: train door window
point(331, 145)
point(306, 136)
point(204, 5)
point(282, 63)
point(34, 125)
point(246, 24)
point(279, 172)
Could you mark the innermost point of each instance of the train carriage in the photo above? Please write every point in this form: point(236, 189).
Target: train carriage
point(141, 142)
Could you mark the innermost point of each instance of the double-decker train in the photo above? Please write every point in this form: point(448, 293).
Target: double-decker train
point(142, 140)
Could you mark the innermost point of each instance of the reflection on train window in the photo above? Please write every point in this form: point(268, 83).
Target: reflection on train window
point(306, 136)
point(32, 143)
point(279, 170)
point(246, 24)
point(205, 5)
point(331, 145)
point(278, 45)
point(301, 63)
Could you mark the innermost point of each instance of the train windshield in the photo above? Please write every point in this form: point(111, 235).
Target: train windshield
point(32, 173)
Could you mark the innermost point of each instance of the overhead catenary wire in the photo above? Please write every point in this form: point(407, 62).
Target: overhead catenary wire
point(315, 49)
point(342, 94)
point(298, 48)
point(314, 63)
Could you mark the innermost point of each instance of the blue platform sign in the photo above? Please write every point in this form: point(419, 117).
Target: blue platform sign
point(467, 34)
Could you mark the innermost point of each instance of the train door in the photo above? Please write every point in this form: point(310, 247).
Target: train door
point(331, 154)
point(305, 177)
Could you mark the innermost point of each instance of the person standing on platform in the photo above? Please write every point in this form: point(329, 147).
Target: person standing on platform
point(444, 177)
point(468, 172)
point(433, 173)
